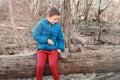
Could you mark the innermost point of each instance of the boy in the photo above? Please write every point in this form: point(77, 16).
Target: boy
point(48, 34)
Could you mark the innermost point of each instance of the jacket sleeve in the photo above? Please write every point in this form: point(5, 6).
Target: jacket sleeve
point(37, 34)
point(60, 38)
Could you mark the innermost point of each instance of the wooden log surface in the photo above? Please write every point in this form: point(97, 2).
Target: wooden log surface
point(99, 61)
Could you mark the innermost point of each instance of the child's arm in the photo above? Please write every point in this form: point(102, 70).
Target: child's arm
point(37, 34)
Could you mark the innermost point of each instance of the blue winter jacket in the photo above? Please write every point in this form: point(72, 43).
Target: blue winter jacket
point(44, 31)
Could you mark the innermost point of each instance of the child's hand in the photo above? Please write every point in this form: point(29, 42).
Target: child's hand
point(59, 51)
point(49, 41)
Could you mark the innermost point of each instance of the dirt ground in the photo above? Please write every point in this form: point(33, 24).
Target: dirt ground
point(110, 40)
point(15, 41)
point(76, 77)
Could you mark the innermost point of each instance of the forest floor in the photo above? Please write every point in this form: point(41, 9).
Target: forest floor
point(76, 77)
point(110, 39)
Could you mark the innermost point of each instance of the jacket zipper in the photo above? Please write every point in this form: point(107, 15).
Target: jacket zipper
point(51, 32)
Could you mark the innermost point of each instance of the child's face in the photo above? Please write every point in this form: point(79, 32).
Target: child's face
point(53, 19)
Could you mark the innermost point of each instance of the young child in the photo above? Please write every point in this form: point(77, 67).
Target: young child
point(48, 34)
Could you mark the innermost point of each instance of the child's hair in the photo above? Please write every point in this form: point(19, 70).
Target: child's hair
point(53, 11)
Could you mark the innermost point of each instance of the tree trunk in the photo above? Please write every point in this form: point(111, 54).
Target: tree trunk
point(67, 22)
point(23, 66)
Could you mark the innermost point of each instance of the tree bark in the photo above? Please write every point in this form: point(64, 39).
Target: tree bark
point(23, 66)
point(67, 23)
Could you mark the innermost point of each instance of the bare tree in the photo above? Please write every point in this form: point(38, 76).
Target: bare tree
point(15, 36)
point(101, 9)
point(88, 4)
point(1, 10)
point(74, 12)
point(67, 22)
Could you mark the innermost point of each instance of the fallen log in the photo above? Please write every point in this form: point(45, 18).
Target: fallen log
point(99, 61)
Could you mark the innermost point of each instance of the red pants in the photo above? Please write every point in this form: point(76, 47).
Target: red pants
point(42, 56)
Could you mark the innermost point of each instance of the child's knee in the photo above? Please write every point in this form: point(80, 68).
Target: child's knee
point(52, 65)
point(41, 66)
